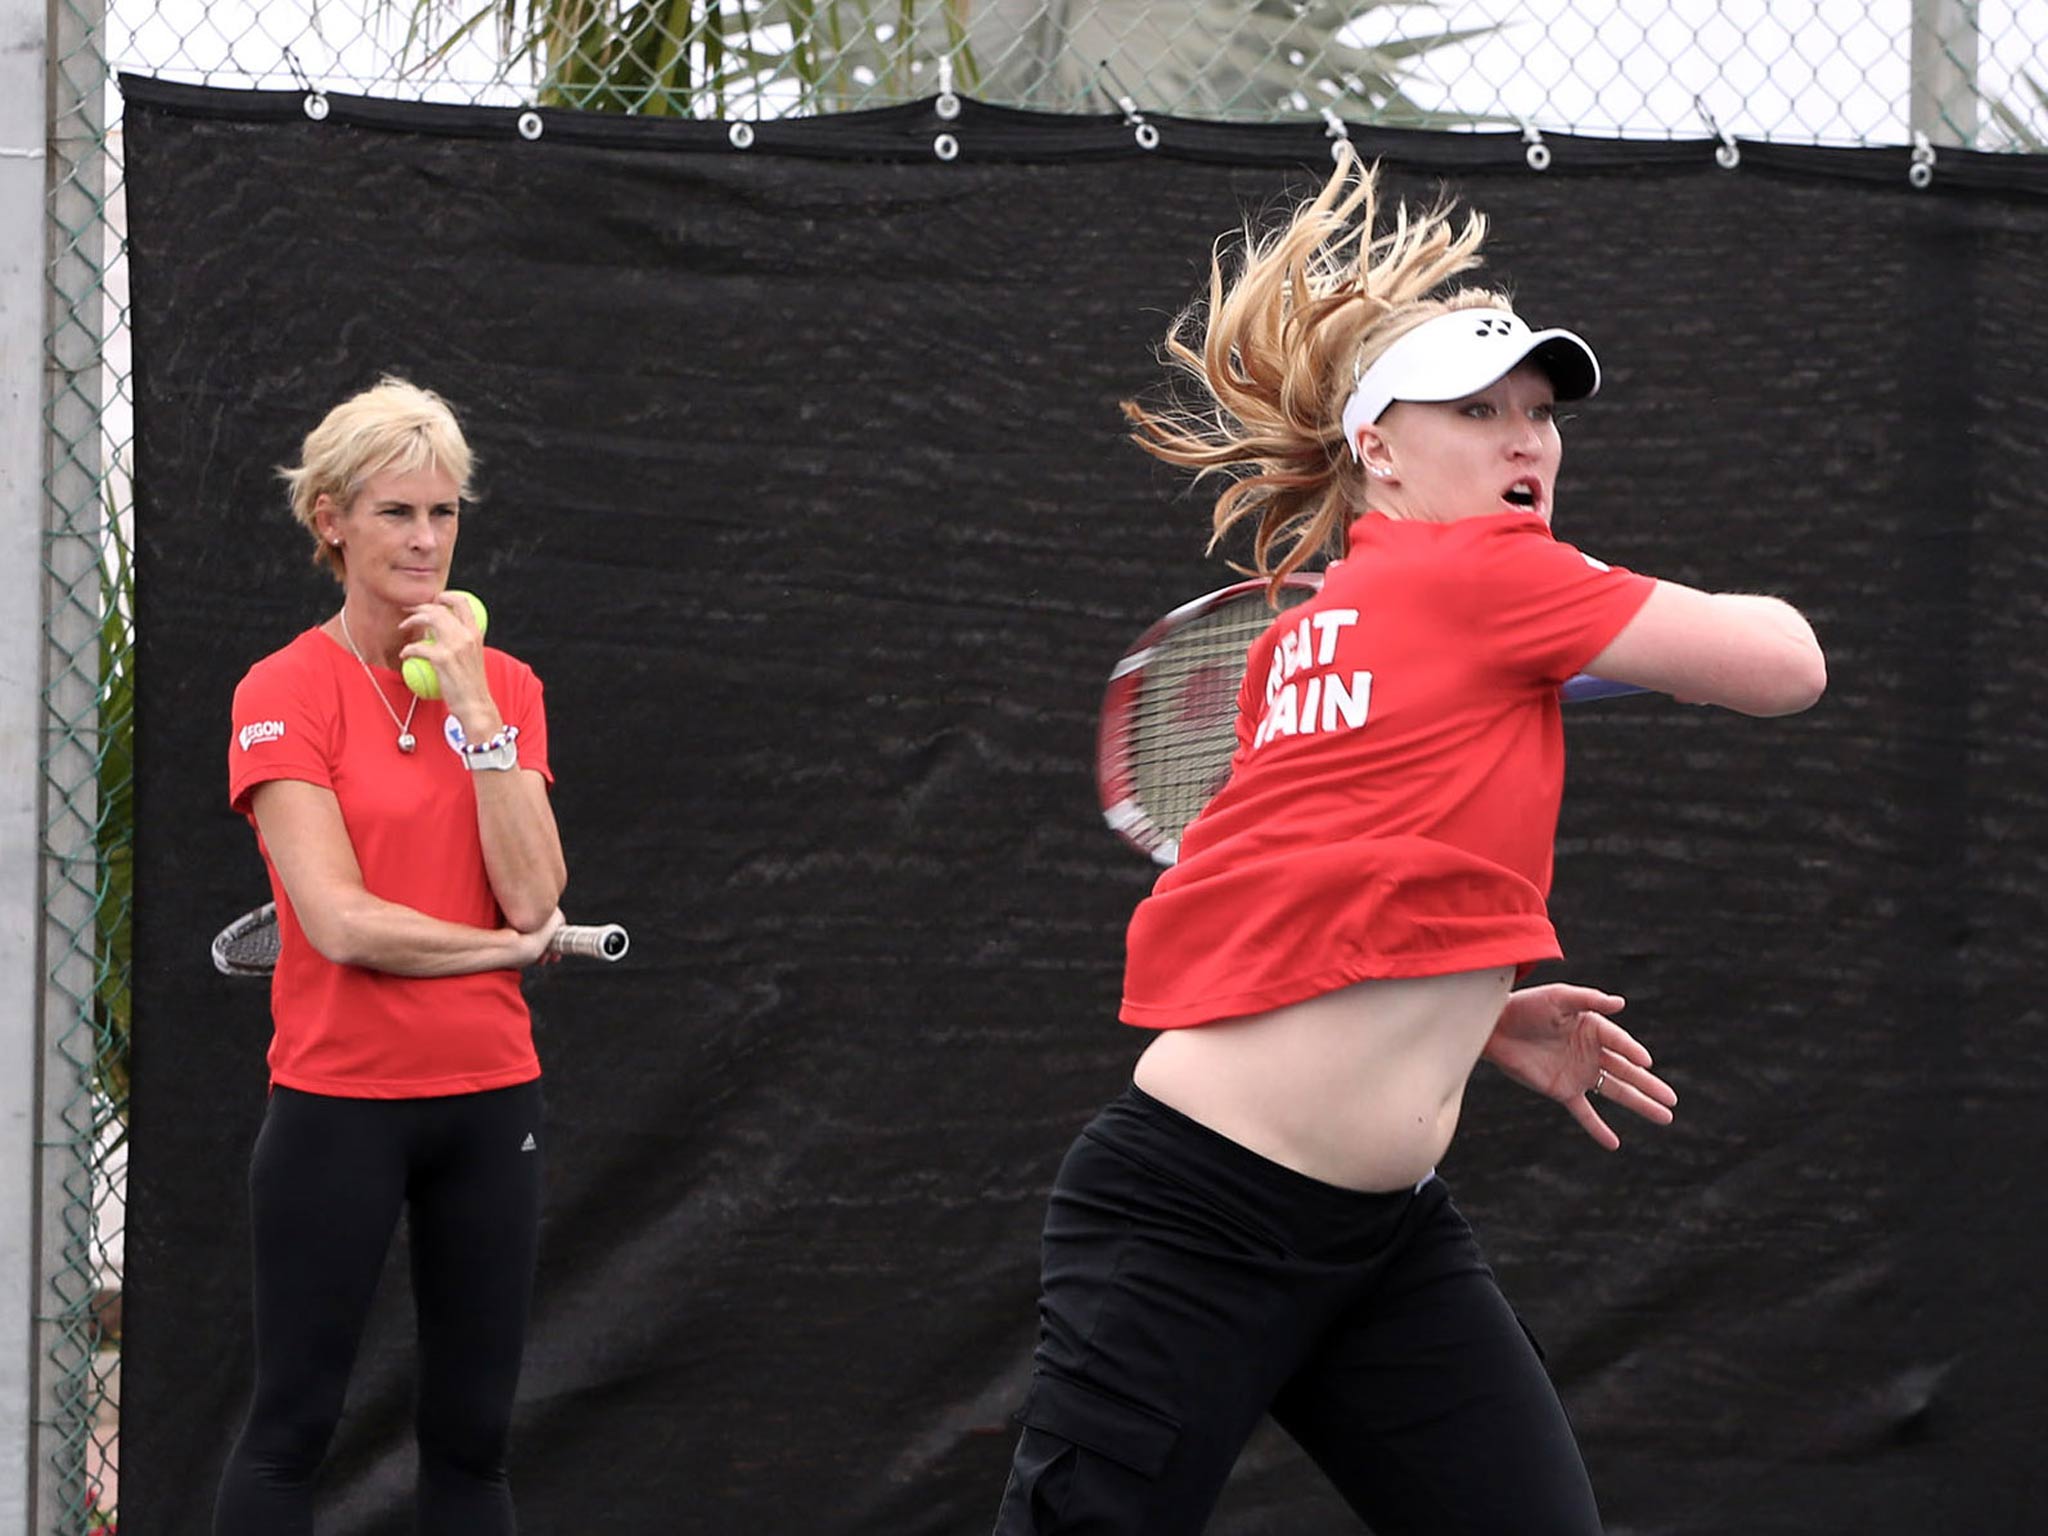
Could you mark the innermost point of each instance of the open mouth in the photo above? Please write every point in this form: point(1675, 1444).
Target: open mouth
point(1523, 494)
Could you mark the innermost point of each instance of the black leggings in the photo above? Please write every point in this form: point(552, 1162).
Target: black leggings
point(1191, 1286)
point(325, 1187)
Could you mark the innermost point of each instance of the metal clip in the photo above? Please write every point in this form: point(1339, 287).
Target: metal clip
point(1146, 135)
point(1729, 155)
point(1335, 131)
point(315, 104)
point(1538, 154)
point(948, 104)
point(1921, 172)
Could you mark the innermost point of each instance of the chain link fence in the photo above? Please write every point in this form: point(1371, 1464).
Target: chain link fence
point(1818, 71)
point(1968, 72)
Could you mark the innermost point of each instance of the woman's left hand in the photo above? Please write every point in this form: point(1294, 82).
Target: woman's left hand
point(1559, 1041)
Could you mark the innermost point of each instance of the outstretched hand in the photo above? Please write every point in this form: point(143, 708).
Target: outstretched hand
point(1558, 1040)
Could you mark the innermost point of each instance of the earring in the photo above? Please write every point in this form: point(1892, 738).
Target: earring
point(1378, 469)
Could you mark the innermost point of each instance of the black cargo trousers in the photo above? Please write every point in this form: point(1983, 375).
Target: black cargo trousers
point(1191, 1286)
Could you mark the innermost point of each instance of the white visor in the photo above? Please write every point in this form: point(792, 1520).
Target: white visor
point(1461, 353)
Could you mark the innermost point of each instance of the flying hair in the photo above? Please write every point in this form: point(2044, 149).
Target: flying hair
point(1275, 351)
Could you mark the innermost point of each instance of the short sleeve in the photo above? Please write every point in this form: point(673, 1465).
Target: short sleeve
point(521, 701)
point(279, 729)
point(1539, 607)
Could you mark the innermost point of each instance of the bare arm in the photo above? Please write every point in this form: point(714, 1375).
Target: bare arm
point(1751, 654)
point(522, 846)
point(308, 842)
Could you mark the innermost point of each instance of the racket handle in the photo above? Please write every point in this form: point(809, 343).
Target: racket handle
point(595, 941)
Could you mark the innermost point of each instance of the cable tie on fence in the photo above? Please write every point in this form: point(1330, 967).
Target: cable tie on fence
point(7, 152)
point(948, 104)
point(1921, 172)
point(1538, 153)
point(315, 104)
point(1146, 135)
point(1729, 155)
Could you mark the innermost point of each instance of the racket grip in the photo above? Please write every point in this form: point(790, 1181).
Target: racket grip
point(598, 941)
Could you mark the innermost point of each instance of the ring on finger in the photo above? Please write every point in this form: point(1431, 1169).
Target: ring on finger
point(1599, 1082)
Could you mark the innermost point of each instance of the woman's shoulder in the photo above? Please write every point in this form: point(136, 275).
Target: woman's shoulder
point(309, 651)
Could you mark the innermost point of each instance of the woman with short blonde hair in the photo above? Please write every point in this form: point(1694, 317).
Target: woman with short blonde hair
point(394, 425)
point(395, 770)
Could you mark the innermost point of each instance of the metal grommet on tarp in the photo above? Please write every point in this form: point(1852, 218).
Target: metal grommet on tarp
point(946, 147)
point(530, 126)
point(740, 135)
point(1146, 135)
point(1921, 172)
point(314, 105)
point(1538, 152)
point(948, 103)
point(1336, 132)
point(1729, 154)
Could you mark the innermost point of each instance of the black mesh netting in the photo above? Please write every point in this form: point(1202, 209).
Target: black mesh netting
point(807, 499)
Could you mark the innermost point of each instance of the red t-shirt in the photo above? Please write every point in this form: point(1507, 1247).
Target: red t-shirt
point(1393, 799)
point(307, 712)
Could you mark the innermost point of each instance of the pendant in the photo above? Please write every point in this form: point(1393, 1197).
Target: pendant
point(406, 742)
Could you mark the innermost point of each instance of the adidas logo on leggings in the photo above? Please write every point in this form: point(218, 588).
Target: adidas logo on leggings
point(529, 1144)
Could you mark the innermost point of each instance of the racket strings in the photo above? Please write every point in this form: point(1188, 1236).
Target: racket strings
point(1182, 730)
point(248, 946)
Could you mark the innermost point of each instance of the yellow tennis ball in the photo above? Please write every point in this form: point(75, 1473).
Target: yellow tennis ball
point(476, 606)
point(419, 673)
point(420, 676)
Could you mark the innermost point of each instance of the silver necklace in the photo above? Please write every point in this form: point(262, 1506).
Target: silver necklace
point(406, 740)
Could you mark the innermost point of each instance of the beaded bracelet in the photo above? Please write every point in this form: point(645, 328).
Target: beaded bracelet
point(507, 734)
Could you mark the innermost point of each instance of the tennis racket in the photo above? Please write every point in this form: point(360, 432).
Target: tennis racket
point(248, 945)
point(1169, 713)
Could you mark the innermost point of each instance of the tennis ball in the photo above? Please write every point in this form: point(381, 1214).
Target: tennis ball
point(419, 673)
point(476, 606)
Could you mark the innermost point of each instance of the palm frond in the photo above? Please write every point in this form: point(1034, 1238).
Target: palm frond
point(1219, 58)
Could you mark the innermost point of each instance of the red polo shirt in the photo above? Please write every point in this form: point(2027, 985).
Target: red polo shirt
point(308, 712)
point(1393, 800)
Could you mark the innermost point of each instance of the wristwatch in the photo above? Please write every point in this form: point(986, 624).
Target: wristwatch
point(501, 751)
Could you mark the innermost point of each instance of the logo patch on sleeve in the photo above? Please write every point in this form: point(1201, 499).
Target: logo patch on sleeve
point(259, 731)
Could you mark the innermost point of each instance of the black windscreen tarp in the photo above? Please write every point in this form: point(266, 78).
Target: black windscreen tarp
point(805, 494)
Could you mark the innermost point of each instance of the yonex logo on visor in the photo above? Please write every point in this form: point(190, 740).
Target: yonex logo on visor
point(1460, 353)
